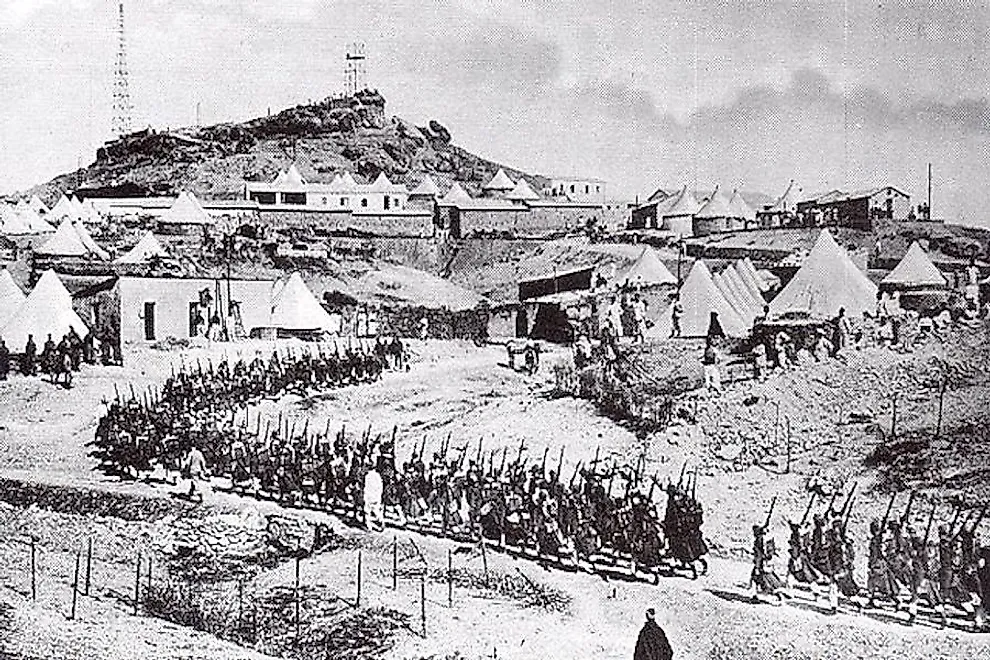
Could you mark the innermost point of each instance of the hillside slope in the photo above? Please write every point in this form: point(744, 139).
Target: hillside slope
point(323, 138)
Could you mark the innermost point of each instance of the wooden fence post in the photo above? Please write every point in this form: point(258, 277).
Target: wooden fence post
point(941, 403)
point(297, 594)
point(89, 562)
point(75, 585)
point(788, 469)
point(484, 559)
point(893, 417)
point(422, 601)
point(34, 580)
point(358, 601)
point(137, 582)
point(450, 578)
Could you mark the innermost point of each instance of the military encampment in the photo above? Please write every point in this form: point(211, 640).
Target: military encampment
point(347, 331)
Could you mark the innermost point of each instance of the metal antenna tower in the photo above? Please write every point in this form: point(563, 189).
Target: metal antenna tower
point(355, 72)
point(122, 107)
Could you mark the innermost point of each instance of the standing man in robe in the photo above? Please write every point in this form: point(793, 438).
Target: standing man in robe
point(652, 643)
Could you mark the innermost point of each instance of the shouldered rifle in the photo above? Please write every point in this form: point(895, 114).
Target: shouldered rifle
point(501, 467)
point(422, 448)
point(543, 463)
point(560, 464)
point(481, 442)
point(594, 464)
point(773, 503)
point(844, 512)
point(979, 518)
point(680, 479)
point(886, 515)
point(577, 468)
point(907, 510)
point(955, 519)
point(522, 447)
point(694, 484)
point(807, 510)
point(928, 527)
point(831, 502)
point(653, 484)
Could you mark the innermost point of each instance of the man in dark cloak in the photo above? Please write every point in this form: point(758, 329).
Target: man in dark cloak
point(652, 643)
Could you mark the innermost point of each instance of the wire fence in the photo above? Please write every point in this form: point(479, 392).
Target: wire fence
point(296, 606)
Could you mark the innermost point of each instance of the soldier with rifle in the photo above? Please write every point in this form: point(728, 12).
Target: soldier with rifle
point(762, 579)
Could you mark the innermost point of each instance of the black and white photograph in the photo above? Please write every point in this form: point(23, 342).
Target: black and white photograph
point(494, 329)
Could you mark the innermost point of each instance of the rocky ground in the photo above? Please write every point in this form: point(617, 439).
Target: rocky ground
point(839, 414)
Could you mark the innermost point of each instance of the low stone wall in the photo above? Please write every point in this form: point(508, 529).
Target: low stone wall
point(85, 501)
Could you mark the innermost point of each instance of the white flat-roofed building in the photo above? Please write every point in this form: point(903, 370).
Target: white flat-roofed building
point(576, 189)
point(290, 190)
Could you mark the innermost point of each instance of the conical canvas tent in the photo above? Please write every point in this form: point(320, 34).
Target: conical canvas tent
point(456, 194)
point(648, 271)
point(500, 181)
point(296, 309)
point(65, 242)
point(684, 205)
point(290, 177)
point(186, 211)
point(699, 298)
point(37, 205)
point(915, 271)
point(827, 281)
point(347, 181)
point(522, 191)
point(63, 209)
point(754, 302)
point(11, 297)
point(146, 249)
point(752, 278)
point(740, 305)
point(12, 223)
point(739, 208)
point(88, 241)
point(427, 187)
point(46, 311)
point(717, 206)
point(36, 224)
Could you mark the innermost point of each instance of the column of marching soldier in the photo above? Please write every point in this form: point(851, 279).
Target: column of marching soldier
point(598, 515)
point(906, 566)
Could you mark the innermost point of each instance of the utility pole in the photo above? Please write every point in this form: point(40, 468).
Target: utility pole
point(930, 191)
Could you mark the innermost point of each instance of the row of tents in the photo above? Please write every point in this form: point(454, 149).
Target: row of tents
point(827, 281)
point(47, 310)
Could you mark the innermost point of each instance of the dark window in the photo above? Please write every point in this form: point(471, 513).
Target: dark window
point(387, 200)
point(298, 199)
point(364, 202)
point(343, 201)
point(149, 321)
point(572, 187)
point(263, 197)
point(193, 317)
point(587, 189)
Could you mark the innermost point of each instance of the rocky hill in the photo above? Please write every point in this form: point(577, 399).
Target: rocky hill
point(324, 138)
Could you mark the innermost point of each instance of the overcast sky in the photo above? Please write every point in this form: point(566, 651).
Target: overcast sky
point(642, 93)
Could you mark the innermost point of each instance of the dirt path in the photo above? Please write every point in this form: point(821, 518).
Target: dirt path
point(460, 390)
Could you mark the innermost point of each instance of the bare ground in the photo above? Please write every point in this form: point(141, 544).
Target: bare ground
point(463, 391)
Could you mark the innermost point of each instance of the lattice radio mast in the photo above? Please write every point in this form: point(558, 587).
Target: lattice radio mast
point(122, 107)
point(355, 71)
